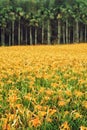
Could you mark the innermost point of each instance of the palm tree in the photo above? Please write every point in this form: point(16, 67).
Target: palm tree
point(76, 19)
point(59, 28)
point(42, 17)
point(83, 21)
point(49, 16)
point(3, 24)
point(34, 22)
point(63, 32)
point(12, 18)
point(20, 14)
point(31, 25)
point(65, 11)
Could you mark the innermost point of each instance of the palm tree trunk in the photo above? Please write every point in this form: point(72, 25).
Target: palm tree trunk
point(9, 39)
point(73, 32)
point(19, 27)
point(85, 33)
point(12, 32)
point(42, 32)
point(21, 34)
point(81, 34)
point(69, 36)
point(49, 33)
point(77, 32)
point(31, 42)
point(35, 36)
point(26, 36)
point(66, 30)
point(59, 31)
point(2, 36)
point(63, 29)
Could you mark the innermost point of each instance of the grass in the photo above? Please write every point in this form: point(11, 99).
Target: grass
point(43, 87)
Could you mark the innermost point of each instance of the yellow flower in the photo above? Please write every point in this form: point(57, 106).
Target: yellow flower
point(46, 98)
point(83, 128)
point(38, 107)
point(28, 96)
point(66, 113)
point(36, 122)
point(49, 92)
point(12, 98)
point(48, 119)
point(54, 85)
point(78, 93)
point(11, 117)
point(77, 115)
point(6, 125)
point(62, 103)
point(42, 113)
point(84, 104)
point(68, 93)
point(42, 89)
point(18, 106)
point(65, 126)
point(52, 111)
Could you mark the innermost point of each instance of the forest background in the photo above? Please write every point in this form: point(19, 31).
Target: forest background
point(31, 22)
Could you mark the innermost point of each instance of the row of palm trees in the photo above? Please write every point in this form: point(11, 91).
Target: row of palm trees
point(42, 22)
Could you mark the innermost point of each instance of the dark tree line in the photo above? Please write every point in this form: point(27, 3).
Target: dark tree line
point(31, 22)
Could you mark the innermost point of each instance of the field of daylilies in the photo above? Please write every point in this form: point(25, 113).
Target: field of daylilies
point(43, 87)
